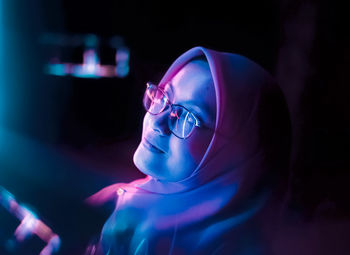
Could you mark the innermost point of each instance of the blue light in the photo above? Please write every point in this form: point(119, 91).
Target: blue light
point(122, 71)
point(56, 69)
point(122, 61)
point(30, 224)
point(2, 82)
point(91, 66)
point(6, 198)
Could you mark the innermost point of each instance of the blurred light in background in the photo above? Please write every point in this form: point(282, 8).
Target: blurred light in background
point(122, 60)
point(91, 67)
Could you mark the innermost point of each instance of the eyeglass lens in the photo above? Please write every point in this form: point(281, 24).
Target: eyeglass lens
point(181, 121)
point(154, 100)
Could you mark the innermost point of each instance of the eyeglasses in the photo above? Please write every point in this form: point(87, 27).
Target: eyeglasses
point(181, 121)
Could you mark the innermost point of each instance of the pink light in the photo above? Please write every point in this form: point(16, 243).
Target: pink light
point(27, 226)
point(122, 56)
point(108, 193)
point(91, 67)
point(91, 62)
point(30, 224)
point(120, 191)
point(107, 71)
point(52, 246)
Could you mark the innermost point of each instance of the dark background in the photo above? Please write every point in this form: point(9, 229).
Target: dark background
point(64, 138)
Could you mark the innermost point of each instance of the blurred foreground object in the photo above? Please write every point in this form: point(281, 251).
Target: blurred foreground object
point(29, 224)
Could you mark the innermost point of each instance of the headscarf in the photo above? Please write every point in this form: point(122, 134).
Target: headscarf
point(222, 200)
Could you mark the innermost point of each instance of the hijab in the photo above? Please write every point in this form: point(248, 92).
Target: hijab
point(222, 205)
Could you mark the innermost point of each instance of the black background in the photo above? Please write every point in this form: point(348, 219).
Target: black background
point(64, 138)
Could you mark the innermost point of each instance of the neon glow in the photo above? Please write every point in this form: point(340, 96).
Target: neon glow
point(120, 191)
point(30, 223)
point(91, 66)
point(122, 60)
point(184, 124)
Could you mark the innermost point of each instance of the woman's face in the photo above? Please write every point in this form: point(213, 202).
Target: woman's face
point(163, 155)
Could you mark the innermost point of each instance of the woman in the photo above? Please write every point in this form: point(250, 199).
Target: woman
point(215, 149)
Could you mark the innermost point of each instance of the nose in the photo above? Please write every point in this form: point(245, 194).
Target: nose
point(159, 122)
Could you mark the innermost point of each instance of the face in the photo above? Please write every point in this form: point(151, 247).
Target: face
point(160, 153)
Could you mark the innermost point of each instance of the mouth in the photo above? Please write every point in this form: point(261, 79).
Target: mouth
point(151, 147)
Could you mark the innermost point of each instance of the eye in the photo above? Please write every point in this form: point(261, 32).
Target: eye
point(154, 99)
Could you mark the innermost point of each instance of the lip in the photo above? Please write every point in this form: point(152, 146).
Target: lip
point(150, 146)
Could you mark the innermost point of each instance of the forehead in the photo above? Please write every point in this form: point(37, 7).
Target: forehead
point(193, 86)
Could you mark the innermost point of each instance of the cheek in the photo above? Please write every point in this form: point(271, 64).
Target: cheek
point(197, 151)
point(181, 163)
point(176, 149)
point(180, 153)
point(189, 151)
point(145, 123)
point(198, 145)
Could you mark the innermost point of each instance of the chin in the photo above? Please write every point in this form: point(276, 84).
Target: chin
point(160, 167)
point(146, 162)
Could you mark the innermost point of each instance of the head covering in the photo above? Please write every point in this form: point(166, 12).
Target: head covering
point(220, 201)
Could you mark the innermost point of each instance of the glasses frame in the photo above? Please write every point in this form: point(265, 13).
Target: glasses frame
point(168, 103)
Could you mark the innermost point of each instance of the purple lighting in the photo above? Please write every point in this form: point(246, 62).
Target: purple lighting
point(30, 224)
point(91, 61)
point(122, 60)
point(91, 66)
